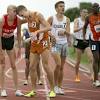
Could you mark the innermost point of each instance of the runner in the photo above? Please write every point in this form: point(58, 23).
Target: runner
point(8, 23)
point(39, 45)
point(80, 45)
point(27, 53)
point(94, 21)
point(60, 29)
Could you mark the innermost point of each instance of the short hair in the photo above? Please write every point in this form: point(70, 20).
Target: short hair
point(20, 8)
point(95, 5)
point(57, 3)
point(83, 9)
point(10, 7)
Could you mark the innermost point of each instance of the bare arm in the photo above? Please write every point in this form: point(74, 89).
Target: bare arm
point(1, 25)
point(85, 26)
point(44, 23)
point(67, 32)
point(50, 20)
point(23, 21)
point(19, 32)
point(76, 25)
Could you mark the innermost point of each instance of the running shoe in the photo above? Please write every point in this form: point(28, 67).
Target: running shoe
point(96, 83)
point(52, 94)
point(3, 93)
point(56, 89)
point(19, 93)
point(77, 79)
point(40, 82)
point(26, 82)
point(61, 91)
point(30, 94)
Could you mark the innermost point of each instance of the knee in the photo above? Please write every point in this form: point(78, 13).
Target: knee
point(61, 68)
point(45, 62)
point(2, 62)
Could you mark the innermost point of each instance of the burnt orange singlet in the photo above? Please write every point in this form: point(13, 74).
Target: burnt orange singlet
point(94, 21)
point(34, 25)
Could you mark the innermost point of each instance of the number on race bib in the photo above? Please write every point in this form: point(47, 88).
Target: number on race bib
point(93, 47)
point(97, 28)
point(75, 42)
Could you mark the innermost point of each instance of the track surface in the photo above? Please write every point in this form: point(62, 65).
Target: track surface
point(73, 91)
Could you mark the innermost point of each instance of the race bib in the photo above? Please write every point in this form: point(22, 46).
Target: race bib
point(97, 28)
point(93, 47)
point(75, 42)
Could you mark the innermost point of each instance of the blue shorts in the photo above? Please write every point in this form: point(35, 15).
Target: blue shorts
point(62, 49)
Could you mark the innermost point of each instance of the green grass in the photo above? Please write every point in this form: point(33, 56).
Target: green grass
point(72, 55)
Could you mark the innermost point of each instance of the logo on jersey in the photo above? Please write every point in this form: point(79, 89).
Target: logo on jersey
point(63, 26)
point(8, 30)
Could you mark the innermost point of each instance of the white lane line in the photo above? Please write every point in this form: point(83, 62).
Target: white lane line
point(86, 90)
point(44, 81)
point(9, 69)
point(81, 69)
point(86, 71)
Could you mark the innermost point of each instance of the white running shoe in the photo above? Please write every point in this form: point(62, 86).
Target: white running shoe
point(96, 83)
point(26, 82)
point(61, 92)
point(19, 93)
point(40, 82)
point(3, 93)
point(56, 89)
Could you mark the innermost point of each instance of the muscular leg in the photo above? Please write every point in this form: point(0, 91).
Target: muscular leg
point(78, 59)
point(57, 59)
point(11, 55)
point(95, 64)
point(90, 58)
point(27, 53)
point(48, 69)
point(2, 70)
point(39, 72)
point(27, 69)
point(63, 59)
point(34, 60)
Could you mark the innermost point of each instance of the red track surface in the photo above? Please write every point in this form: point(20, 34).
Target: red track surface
point(73, 91)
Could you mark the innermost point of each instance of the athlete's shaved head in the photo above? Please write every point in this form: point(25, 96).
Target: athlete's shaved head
point(59, 2)
point(20, 8)
point(11, 7)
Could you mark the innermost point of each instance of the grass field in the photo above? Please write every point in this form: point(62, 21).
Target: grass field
point(72, 55)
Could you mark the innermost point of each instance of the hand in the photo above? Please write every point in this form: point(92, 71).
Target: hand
point(53, 40)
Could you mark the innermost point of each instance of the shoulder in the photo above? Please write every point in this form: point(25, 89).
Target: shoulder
point(76, 19)
point(67, 19)
point(38, 15)
point(50, 18)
